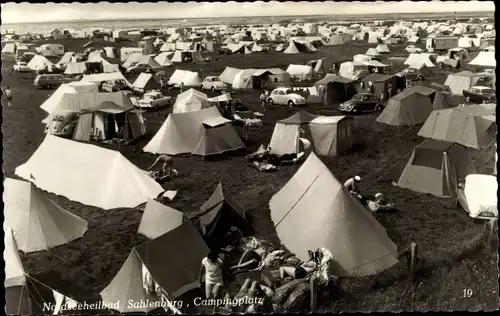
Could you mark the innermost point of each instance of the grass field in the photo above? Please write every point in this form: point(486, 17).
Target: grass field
point(452, 259)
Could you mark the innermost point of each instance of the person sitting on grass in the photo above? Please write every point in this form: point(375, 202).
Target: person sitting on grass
point(212, 266)
point(253, 255)
point(166, 169)
point(352, 184)
point(301, 271)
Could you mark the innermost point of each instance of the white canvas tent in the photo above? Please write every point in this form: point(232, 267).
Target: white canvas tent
point(37, 222)
point(162, 60)
point(39, 62)
point(300, 72)
point(54, 100)
point(88, 174)
point(382, 48)
point(74, 68)
point(14, 270)
point(66, 59)
point(417, 59)
point(485, 59)
point(481, 194)
point(97, 78)
point(464, 80)
point(315, 201)
point(191, 100)
point(188, 78)
point(227, 76)
point(158, 219)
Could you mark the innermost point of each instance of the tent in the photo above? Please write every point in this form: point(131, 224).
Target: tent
point(188, 78)
point(380, 84)
point(111, 52)
point(191, 100)
point(239, 48)
point(412, 106)
point(127, 286)
point(14, 270)
point(88, 174)
point(145, 82)
point(53, 101)
point(322, 65)
point(158, 219)
point(261, 78)
point(300, 72)
point(417, 59)
point(372, 52)
point(220, 212)
point(9, 48)
point(186, 132)
point(37, 222)
point(162, 60)
point(227, 76)
point(328, 135)
point(98, 78)
point(436, 167)
point(481, 194)
point(39, 62)
point(314, 201)
point(66, 59)
point(257, 48)
point(173, 260)
point(132, 59)
point(335, 89)
point(181, 55)
point(75, 68)
point(297, 47)
point(471, 126)
point(382, 48)
point(336, 39)
point(107, 67)
point(485, 59)
point(464, 80)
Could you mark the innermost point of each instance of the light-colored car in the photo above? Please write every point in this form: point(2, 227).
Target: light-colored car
point(115, 85)
point(138, 68)
point(62, 124)
point(411, 49)
point(286, 96)
point(213, 83)
point(153, 99)
point(21, 66)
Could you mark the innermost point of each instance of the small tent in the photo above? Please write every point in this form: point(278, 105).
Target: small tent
point(481, 193)
point(336, 39)
point(383, 49)
point(14, 270)
point(75, 68)
point(257, 48)
point(9, 49)
point(39, 62)
point(373, 52)
point(335, 89)
point(380, 84)
point(37, 222)
point(186, 133)
point(191, 100)
point(412, 106)
point(158, 219)
point(145, 82)
point(220, 212)
point(173, 260)
point(227, 76)
point(66, 59)
point(239, 48)
point(359, 244)
point(417, 59)
point(111, 52)
point(162, 60)
point(300, 72)
point(436, 167)
point(59, 162)
point(187, 78)
point(464, 80)
point(471, 126)
point(485, 60)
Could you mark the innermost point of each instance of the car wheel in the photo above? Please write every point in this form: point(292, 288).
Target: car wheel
point(354, 110)
point(131, 72)
point(48, 86)
point(290, 104)
point(420, 78)
point(467, 99)
point(270, 101)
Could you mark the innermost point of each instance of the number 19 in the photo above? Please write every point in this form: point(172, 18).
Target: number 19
point(468, 292)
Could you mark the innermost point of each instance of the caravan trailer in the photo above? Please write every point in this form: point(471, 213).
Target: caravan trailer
point(441, 43)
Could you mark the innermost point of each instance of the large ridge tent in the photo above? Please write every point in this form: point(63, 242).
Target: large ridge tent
point(419, 59)
point(471, 126)
point(464, 80)
point(485, 59)
point(227, 76)
point(174, 258)
point(39, 62)
point(145, 82)
point(336, 39)
point(158, 219)
point(54, 100)
point(412, 106)
point(37, 222)
point(97, 78)
point(436, 167)
point(163, 60)
point(191, 100)
point(335, 89)
point(380, 84)
point(88, 174)
point(314, 201)
point(201, 132)
point(220, 212)
point(328, 135)
point(188, 78)
point(300, 72)
point(261, 78)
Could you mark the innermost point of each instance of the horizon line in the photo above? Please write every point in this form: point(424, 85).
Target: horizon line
point(257, 16)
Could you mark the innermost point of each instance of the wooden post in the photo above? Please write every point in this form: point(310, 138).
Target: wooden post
point(413, 258)
point(314, 294)
point(492, 229)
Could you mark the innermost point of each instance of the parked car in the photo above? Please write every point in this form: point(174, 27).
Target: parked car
point(213, 83)
point(138, 68)
point(412, 74)
point(49, 80)
point(115, 85)
point(480, 94)
point(362, 102)
point(286, 96)
point(153, 99)
point(63, 123)
point(411, 49)
point(21, 66)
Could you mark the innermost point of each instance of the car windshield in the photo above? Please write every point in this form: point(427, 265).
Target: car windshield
point(215, 79)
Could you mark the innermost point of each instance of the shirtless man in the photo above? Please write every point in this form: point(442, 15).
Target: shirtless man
point(166, 167)
point(302, 271)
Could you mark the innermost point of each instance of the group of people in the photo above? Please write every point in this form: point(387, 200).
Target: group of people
point(378, 202)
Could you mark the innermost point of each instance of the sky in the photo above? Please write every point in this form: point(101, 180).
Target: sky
point(50, 12)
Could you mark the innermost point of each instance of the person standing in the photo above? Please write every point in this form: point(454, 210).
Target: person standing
point(182, 87)
point(212, 265)
point(263, 100)
point(8, 94)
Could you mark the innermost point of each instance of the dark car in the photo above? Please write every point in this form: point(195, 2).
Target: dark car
point(362, 102)
point(480, 94)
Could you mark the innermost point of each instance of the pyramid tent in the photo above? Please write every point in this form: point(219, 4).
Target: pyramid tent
point(485, 59)
point(227, 76)
point(127, 285)
point(14, 271)
point(158, 219)
point(181, 133)
point(39, 62)
point(220, 212)
point(471, 126)
point(411, 107)
point(191, 100)
point(162, 60)
point(382, 48)
point(109, 180)
point(256, 48)
point(66, 59)
point(416, 59)
point(146, 82)
point(292, 48)
point(37, 222)
point(228, 41)
point(336, 39)
point(173, 259)
point(372, 52)
point(359, 244)
point(188, 78)
point(435, 167)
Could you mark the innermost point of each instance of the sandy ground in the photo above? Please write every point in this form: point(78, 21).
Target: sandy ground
point(84, 267)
